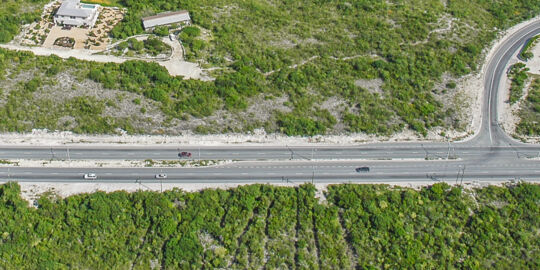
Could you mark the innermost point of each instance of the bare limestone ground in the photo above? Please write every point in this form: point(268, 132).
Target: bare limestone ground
point(32, 191)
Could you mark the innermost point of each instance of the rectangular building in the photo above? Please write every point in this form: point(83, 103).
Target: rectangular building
point(166, 18)
point(73, 13)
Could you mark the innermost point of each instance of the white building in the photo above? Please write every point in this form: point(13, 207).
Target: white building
point(166, 18)
point(73, 13)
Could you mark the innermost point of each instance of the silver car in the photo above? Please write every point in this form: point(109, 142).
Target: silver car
point(161, 176)
point(90, 176)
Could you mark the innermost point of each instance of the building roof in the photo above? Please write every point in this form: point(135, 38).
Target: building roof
point(71, 8)
point(166, 18)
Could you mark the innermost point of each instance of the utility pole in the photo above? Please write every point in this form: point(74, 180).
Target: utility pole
point(448, 154)
point(457, 176)
point(52, 154)
point(292, 152)
point(462, 174)
point(161, 180)
point(69, 159)
point(312, 173)
point(427, 155)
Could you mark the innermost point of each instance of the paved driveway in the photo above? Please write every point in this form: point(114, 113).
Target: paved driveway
point(80, 35)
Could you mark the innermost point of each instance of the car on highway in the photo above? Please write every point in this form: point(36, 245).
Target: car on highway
point(362, 169)
point(90, 176)
point(161, 176)
point(184, 155)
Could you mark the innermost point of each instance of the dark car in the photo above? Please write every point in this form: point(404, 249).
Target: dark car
point(184, 155)
point(362, 169)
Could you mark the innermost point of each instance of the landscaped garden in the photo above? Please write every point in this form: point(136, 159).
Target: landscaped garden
point(149, 47)
point(66, 42)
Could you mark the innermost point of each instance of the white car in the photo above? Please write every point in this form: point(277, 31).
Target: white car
point(161, 176)
point(90, 176)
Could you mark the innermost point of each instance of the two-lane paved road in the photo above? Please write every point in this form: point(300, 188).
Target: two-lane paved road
point(294, 171)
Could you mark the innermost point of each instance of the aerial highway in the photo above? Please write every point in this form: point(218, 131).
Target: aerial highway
point(490, 155)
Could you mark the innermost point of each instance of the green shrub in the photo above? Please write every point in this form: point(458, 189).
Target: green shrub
point(162, 31)
point(190, 32)
point(293, 125)
point(32, 85)
point(518, 75)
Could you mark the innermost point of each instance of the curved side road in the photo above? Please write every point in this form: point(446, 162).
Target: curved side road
point(491, 133)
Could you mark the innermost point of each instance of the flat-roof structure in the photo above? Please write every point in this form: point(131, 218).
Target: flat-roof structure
point(166, 18)
point(72, 12)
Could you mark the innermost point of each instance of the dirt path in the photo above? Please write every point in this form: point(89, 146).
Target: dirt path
point(176, 67)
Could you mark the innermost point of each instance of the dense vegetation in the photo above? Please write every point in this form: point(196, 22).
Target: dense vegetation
point(151, 46)
point(15, 13)
point(404, 44)
point(525, 52)
point(25, 105)
point(315, 55)
point(518, 77)
point(260, 226)
point(530, 112)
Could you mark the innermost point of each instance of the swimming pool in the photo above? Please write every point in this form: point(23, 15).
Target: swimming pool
point(88, 6)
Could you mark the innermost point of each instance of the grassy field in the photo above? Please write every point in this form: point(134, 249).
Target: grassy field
point(311, 67)
point(261, 226)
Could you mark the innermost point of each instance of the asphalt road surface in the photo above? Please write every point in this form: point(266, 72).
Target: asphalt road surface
point(294, 171)
point(490, 155)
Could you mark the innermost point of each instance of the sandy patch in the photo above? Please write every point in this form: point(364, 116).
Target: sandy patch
point(373, 86)
point(32, 191)
point(258, 137)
